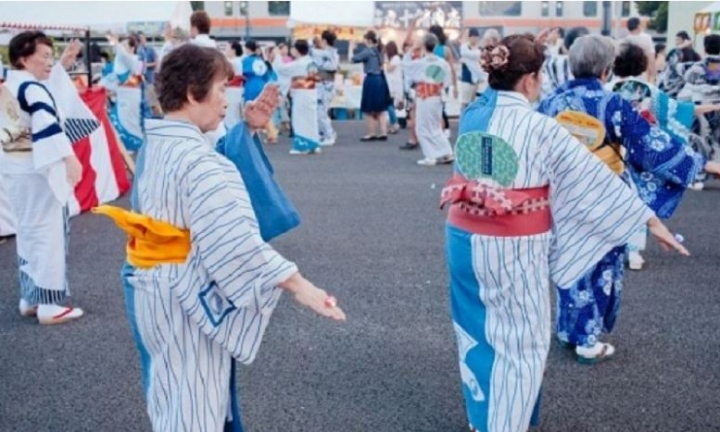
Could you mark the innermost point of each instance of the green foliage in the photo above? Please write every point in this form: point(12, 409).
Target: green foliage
point(658, 11)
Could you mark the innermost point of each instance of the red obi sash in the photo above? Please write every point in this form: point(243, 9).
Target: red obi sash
point(482, 209)
point(237, 81)
point(426, 90)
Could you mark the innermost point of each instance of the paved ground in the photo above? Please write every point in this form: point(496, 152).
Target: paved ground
point(373, 235)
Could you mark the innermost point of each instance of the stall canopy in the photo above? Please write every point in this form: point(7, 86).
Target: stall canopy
point(101, 17)
point(348, 19)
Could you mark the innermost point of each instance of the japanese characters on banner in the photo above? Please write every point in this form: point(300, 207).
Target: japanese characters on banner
point(400, 14)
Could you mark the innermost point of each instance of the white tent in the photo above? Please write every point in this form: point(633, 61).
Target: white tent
point(98, 16)
point(337, 13)
point(714, 7)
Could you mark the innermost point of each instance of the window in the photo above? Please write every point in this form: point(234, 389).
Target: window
point(559, 8)
point(500, 8)
point(625, 9)
point(279, 8)
point(590, 8)
point(545, 9)
point(228, 8)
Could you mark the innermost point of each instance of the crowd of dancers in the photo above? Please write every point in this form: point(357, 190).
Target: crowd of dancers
point(567, 155)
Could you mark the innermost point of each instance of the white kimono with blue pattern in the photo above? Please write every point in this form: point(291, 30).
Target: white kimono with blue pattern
point(192, 320)
point(500, 286)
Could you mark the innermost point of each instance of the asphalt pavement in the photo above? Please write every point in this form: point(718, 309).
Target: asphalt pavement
point(372, 234)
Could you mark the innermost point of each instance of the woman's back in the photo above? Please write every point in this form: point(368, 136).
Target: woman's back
point(520, 152)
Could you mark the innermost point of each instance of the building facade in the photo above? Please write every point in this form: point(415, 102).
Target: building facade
point(270, 19)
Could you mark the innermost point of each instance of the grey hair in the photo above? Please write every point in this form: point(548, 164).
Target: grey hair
point(491, 35)
point(430, 41)
point(591, 56)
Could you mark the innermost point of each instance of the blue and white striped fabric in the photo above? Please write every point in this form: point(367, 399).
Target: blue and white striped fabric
point(500, 285)
point(192, 319)
point(37, 188)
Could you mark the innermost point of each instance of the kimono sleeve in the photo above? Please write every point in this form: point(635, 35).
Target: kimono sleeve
point(325, 59)
point(292, 69)
point(50, 144)
point(593, 210)
point(652, 150)
point(226, 235)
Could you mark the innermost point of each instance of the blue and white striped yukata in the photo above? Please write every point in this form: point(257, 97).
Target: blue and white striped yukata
point(500, 285)
point(192, 320)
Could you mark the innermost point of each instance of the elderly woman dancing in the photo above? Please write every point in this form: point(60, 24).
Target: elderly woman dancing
point(608, 125)
point(522, 183)
point(200, 282)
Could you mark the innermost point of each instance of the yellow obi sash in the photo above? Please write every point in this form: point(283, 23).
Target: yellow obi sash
point(591, 132)
point(150, 242)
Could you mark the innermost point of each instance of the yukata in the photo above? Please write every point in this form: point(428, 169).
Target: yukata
point(130, 109)
point(328, 62)
point(702, 85)
point(303, 89)
point(205, 298)
point(523, 192)
point(473, 79)
point(555, 71)
point(661, 166)
point(35, 179)
point(234, 92)
point(430, 76)
point(673, 117)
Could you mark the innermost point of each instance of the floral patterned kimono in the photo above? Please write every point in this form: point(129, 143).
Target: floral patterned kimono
point(662, 167)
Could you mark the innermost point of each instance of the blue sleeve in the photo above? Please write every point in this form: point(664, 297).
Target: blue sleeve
point(652, 150)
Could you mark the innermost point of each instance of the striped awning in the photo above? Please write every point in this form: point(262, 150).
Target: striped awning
point(29, 26)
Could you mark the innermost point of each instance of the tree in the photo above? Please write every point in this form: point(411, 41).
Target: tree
point(657, 11)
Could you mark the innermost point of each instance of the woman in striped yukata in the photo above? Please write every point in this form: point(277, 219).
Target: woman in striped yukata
point(528, 205)
point(200, 281)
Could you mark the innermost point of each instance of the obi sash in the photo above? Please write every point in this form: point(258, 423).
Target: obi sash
point(304, 83)
point(237, 81)
point(482, 209)
point(326, 75)
point(427, 90)
point(150, 242)
point(591, 132)
point(134, 81)
point(13, 137)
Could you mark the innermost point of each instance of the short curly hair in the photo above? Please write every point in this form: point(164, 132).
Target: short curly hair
point(189, 69)
point(631, 61)
point(24, 45)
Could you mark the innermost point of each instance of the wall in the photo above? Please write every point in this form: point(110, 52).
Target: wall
point(681, 17)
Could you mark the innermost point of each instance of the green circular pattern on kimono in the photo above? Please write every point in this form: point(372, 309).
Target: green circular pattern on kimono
point(479, 155)
point(435, 73)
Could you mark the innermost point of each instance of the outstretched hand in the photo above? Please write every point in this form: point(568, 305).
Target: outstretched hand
point(259, 112)
point(666, 239)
